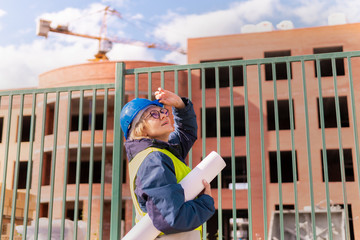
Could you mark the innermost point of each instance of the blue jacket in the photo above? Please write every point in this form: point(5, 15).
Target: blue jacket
point(157, 190)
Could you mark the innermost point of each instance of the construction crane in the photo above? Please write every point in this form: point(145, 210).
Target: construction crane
point(105, 43)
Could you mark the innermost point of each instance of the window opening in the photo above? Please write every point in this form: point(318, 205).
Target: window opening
point(25, 129)
point(1, 128)
point(44, 210)
point(50, 111)
point(46, 169)
point(70, 210)
point(22, 175)
point(85, 166)
point(280, 67)
point(325, 64)
point(283, 113)
point(286, 167)
point(224, 75)
point(240, 174)
point(330, 112)
point(239, 121)
point(227, 224)
point(333, 162)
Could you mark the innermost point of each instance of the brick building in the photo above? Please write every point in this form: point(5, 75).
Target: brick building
point(282, 43)
point(295, 42)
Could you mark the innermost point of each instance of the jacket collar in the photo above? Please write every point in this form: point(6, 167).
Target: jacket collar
point(133, 147)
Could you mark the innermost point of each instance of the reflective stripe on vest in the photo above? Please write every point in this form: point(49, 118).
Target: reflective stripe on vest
point(181, 170)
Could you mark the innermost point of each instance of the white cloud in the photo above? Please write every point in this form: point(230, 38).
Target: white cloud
point(137, 16)
point(122, 52)
point(82, 21)
point(351, 8)
point(24, 63)
point(2, 13)
point(316, 12)
point(310, 12)
point(175, 57)
point(177, 29)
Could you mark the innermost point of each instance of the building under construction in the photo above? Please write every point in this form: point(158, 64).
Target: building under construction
point(279, 106)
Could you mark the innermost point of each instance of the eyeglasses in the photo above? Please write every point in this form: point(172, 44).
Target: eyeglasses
point(156, 113)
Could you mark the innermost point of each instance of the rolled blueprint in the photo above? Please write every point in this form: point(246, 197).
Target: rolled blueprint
point(192, 184)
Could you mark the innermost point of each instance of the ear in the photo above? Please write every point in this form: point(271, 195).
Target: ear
point(144, 131)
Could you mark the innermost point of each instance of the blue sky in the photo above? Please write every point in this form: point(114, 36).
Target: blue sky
point(24, 55)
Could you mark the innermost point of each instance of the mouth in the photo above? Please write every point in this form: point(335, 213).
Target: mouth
point(165, 123)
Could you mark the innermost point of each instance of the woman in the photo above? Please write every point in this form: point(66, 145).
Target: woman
point(156, 151)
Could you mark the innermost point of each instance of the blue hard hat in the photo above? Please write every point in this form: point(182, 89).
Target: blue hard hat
point(131, 109)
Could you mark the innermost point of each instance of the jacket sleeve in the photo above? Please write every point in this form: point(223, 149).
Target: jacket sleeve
point(185, 132)
point(157, 189)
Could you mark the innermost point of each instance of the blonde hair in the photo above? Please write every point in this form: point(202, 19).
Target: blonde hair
point(138, 131)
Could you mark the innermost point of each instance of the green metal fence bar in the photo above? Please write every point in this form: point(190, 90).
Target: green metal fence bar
point(247, 136)
point(29, 166)
point(354, 119)
point(262, 146)
point(233, 163)
point(203, 128)
point(17, 163)
point(149, 85)
point(53, 164)
point(324, 153)
point(189, 83)
point(66, 165)
point(278, 156)
point(136, 89)
point(103, 160)
point(218, 140)
point(176, 82)
point(162, 76)
point(38, 199)
point(341, 152)
point(78, 164)
point(91, 167)
point(293, 153)
point(116, 202)
point(190, 97)
point(6, 157)
point(308, 148)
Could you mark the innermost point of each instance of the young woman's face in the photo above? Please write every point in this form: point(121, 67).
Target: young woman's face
point(158, 124)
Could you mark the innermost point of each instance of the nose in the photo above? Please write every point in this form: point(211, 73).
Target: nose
point(162, 115)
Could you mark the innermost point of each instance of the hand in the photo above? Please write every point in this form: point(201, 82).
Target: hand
point(207, 189)
point(169, 98)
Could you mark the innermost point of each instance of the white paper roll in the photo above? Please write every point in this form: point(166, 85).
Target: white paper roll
point(192, 184)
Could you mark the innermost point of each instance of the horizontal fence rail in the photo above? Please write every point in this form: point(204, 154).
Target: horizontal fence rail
point(286, 127)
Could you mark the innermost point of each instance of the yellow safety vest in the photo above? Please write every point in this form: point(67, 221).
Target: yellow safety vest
point(181, 170)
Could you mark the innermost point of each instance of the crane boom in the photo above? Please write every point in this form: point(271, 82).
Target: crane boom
point(44, 27)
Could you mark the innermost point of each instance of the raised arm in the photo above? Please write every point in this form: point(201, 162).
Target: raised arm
point(185, 133)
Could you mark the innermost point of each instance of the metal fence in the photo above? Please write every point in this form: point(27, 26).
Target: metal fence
point(287, 127)
point(48, 125)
